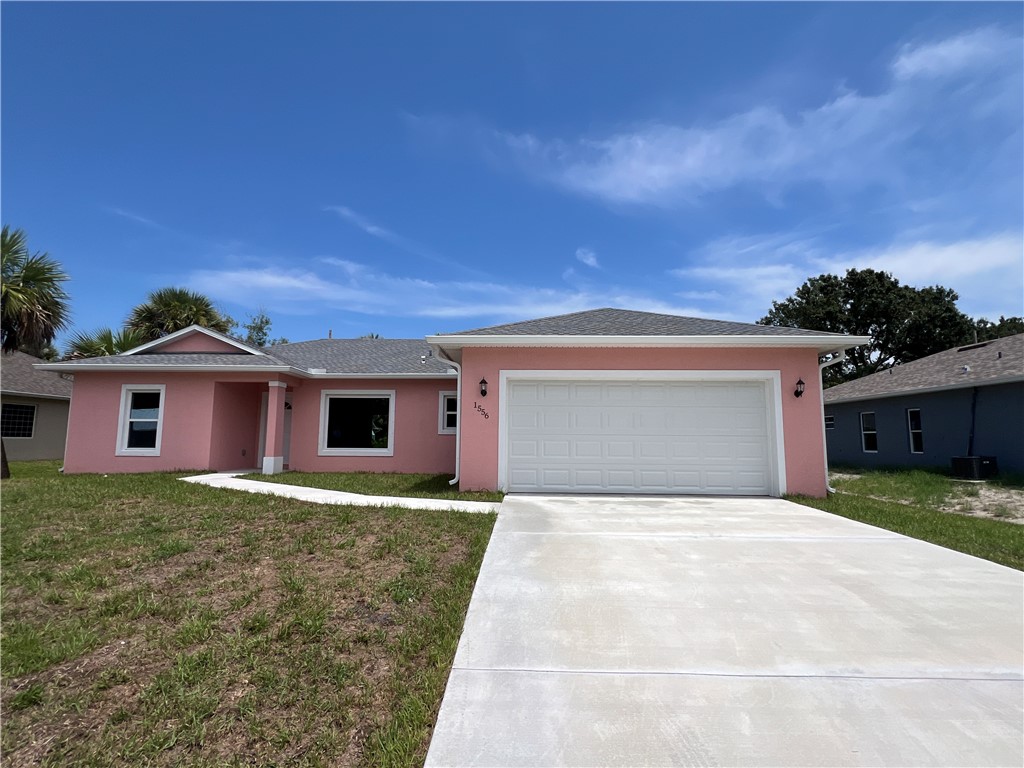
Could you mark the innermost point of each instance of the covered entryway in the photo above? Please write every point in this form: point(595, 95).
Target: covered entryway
point(642, 432)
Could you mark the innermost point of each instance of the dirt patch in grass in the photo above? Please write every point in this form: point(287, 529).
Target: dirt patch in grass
point(963, 497)
point(150, 621)
point(1005, 504)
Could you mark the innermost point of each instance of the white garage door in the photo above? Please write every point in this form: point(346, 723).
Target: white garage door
point(599, 436)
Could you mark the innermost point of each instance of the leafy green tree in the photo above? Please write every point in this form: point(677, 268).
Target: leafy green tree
point(257, 331)
point(103, 343)
point(904, 323)
point(370, 336)
point(167, 310)
point(33, 303)
point(1005, 326)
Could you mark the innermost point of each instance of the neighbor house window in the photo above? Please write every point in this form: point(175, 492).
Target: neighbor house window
point(357, 423)
point(830, 422)
point(17, 420)
point(868, 433)
point(915, 432)
point(447, 413)
point(140, 425)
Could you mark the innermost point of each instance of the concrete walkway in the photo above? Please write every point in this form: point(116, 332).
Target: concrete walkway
point(729, 632)
point(231, 481)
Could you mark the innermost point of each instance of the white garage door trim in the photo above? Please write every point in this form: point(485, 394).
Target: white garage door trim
point(771, 379)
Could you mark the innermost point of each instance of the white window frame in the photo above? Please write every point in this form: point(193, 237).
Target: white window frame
point(442, 413)
point(325, 397)
point(863, 432)
point(35, 415)
point(123, 419)
point(911, 431)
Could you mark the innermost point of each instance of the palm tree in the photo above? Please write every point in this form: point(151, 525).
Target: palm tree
point(33, 303)
point(170, 309)
point(103, 343)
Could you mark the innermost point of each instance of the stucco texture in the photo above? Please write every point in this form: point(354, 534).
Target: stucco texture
point(801, 417)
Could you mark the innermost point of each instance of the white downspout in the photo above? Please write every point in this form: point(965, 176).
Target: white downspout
point(821, 394)
point(458, 420)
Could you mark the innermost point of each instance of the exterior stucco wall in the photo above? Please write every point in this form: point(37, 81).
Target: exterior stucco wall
point(417, 445)
point(235, 430)
point(197, 342)
point(92, 425)
point(49, 433)
point(801, 417)
point(210, 420)
point(946, 424)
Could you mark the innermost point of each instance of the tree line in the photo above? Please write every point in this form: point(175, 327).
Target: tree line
point(903, 322)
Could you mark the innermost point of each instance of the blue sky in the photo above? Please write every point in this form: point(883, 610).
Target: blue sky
point(413, 169)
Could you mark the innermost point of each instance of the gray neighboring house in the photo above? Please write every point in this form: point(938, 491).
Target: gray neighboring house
point(921, 414)
point(33, 409)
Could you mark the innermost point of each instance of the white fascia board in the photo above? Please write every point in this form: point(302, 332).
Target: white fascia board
point(923, 390)
point(188, 331)
point(121, 367)
point(299, 372)
point(822, 344)
point(328, 375)
point(12, 393)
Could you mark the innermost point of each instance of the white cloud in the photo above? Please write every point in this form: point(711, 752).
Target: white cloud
point(852, 139)
point(358, 288)
point(959, 54)
point(749, 272)
point(587, 256)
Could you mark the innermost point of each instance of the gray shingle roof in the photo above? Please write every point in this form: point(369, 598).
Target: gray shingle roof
point(342, 356)
point(18, 375)
point(991, 362)
point(625, 322)
point(369, 356)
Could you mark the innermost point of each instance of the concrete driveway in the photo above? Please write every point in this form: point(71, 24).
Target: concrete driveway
point(729, 632)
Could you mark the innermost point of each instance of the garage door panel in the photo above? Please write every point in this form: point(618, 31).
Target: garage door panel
point(523, 449)
point(554, 449)
point(636, 436)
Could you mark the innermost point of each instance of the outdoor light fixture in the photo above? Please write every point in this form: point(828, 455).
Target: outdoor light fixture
point(799, 388)
point(483, 387)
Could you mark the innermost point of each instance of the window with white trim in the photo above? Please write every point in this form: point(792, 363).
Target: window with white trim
point(357, 422)
point(141, 420)
point(447, 413)
point(830, 422)
point(17, 420)
point(915, 432)
point(868, 432)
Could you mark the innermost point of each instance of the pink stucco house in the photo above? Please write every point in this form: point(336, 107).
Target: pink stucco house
point(602, 401)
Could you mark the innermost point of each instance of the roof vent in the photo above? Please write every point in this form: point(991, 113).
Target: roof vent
point(965, 369)
point(973, 346)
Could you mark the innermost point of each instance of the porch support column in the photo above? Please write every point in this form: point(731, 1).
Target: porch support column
point(273, 449)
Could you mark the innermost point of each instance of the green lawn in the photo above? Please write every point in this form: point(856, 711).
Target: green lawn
point(151, 621)
point(381, 484)
point(907, 502)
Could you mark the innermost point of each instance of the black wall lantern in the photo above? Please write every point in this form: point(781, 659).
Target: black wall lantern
point(483, 387)
point(799, 388)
